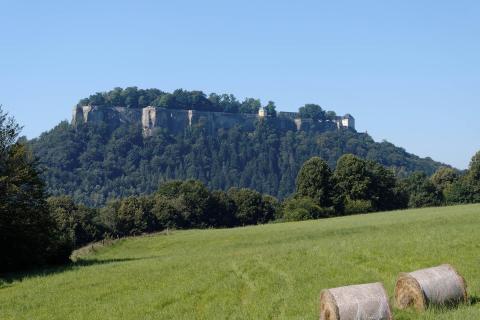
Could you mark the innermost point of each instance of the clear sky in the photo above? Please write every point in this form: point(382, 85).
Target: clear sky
point(409, 71)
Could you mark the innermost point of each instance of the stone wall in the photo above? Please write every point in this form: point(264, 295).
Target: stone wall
point(178, 120)
point(114, 116)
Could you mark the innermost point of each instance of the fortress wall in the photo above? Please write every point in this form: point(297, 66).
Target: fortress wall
point(115, 116)
point(172, 120)
point(77, 116)
point(178, 120)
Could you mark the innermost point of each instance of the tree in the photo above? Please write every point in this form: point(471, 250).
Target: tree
point(225, 102)
point(76, 224)
point(196, 201)
point(129, 216)
point(422, 192)
point(98, 99)
point(165, 101)
point(474, 169)
point(270, 109)
point(444, 177)
point(383, 189)
point(250, 105)
point(473, 177)
point(222, 211)
point(362, 183)
point(28, 234)
point(351, 177)
point(459, 192)
point(170, 189)
point(131, 97)
point(270, 207)
point(312, 111)
point(250, 206)
point(168, 212)
point(331, 115)
point(135, 217)
point(315, 181)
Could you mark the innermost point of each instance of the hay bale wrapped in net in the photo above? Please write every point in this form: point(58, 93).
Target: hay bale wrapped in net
point(359, 302)
point(438, 286)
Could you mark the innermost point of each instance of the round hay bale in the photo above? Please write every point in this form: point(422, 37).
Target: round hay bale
point(438, 286)
point(359, 302)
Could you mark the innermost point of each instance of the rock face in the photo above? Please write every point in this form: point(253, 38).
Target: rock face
point(114, 116)
point(149, 120)
point(152, 118)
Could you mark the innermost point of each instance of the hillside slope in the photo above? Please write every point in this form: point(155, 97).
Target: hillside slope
point(96, 162)
point(262, 272)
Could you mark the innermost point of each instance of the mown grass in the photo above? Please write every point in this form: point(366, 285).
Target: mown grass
point(263, 272)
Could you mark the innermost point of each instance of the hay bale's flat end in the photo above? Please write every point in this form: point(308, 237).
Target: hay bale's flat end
point(358, 302)
point(437, 286)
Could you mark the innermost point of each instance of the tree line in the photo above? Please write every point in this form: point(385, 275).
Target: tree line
point(133, 97)
point(361, 186)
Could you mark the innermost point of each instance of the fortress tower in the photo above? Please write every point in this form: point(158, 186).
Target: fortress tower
point(262, 112)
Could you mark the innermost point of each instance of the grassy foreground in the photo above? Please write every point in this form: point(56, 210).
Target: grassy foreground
point(262, 272)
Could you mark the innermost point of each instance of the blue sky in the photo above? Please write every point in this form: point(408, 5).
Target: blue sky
point(409, 71)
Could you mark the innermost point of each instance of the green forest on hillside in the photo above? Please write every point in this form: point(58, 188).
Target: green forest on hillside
point(96, 162)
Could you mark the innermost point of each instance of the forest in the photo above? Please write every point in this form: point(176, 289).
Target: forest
point(94, 163)
point(132, 97)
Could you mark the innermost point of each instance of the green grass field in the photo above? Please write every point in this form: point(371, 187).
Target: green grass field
point(262, 272)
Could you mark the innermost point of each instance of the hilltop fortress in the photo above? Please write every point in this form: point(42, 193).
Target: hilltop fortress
point(177, 120)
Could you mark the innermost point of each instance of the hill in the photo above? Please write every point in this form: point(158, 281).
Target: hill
point(97, 161)
point(263, 272)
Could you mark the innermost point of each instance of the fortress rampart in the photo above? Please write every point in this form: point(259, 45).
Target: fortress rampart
point(175, 120)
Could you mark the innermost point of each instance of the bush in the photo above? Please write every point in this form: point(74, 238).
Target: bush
point(459, 192)
point(358, 206)
point(222, 212)
point(76, 224)
point(168, 212)
point(194, 201)
point(421, 190)
point(299, 209)
point(129, 216)
point(252, 208)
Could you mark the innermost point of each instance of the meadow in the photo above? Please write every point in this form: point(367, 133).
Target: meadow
point(273, 271)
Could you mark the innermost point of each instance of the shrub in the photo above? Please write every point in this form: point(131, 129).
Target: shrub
point(222, 211)
point(298, 209)
point(129, 216)
point(252, 208)
point(459, 192)
point(194, 201)
point(75, 223)
point(168, 212)
point(358, 206)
